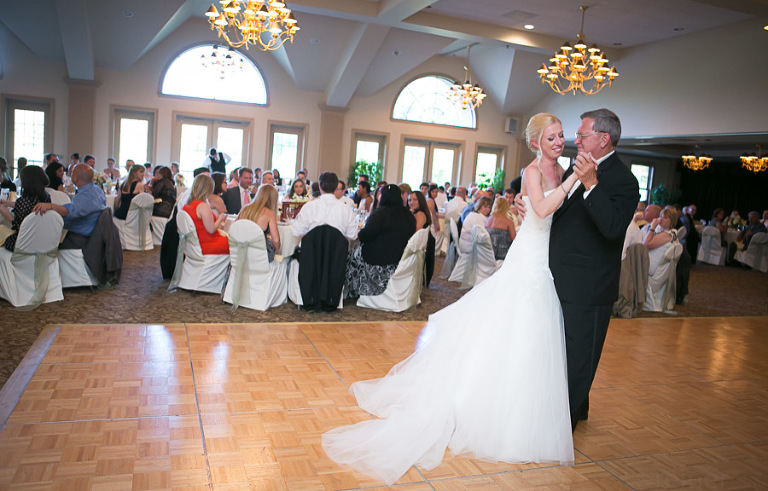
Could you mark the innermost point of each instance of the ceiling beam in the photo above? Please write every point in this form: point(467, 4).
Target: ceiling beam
point(397, 10)
point(355, 63)
point(76, 38)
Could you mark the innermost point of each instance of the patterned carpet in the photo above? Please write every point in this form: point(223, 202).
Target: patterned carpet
point(142, 298)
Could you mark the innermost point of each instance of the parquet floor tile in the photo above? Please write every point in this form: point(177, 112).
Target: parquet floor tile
point(676, 404)
point(141, 453)
point(248, 341)
point(254, 385)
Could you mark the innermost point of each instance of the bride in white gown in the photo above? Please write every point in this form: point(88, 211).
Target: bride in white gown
point(488, 377)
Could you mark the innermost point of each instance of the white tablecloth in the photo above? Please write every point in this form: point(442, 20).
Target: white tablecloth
point(288, 241)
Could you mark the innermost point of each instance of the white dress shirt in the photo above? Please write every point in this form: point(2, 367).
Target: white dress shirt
point(455, 204)
point(325, 210)
point(243, 192)
point(578, 183)
point(347, 201)
point(465, 240)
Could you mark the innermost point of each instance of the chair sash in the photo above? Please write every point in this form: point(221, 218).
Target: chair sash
point(759, 251)
point(241, 288)
point(470, 273)
point(143, 223)
point(450, 261)
point(41, 275)
point(710, 242)
point(419, 273)
point(176, 278)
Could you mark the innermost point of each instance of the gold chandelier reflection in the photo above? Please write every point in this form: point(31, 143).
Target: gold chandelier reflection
point(755, 163)
point(466, 95)
point(224, 60)
point(694, 162)
point(572, 67)
point(242, 23)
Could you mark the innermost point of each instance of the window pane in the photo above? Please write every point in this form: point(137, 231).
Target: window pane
point(426, 100)
point(413, 165)
point(642, 173)
point(187, 76)
point(367, 151)
point(230, 141)
point(486, 166)
point(134, 136)
point(194, 148)
point(28, 136)
point(442, 165)
point(285, 151)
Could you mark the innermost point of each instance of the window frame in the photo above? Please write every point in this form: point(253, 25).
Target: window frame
point(649, 183)
point(372, 136)
point(409, 121)
point(8, 104)
point(150, 115)
point(299, 129)
point(213, 122)
point(456, 145)
point(499, 150)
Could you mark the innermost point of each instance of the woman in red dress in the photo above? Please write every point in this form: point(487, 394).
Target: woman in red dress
point(206, 224)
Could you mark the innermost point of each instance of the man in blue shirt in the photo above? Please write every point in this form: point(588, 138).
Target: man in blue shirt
point(81, 215)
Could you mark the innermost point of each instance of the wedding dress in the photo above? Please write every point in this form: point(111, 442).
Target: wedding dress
point(488, 378)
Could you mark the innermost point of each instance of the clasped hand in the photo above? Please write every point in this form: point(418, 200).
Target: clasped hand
point(585, 169)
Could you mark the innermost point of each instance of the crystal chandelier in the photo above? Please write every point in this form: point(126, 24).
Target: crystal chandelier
point(755, 163)
point(243, 28)
point(571, 67)
point(694, 162)
point(466, 95)
point(223, 60)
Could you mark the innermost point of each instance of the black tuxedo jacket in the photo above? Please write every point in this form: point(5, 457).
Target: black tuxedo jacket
point(231, 198)
point(588, 235)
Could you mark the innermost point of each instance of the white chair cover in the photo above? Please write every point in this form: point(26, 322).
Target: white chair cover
point(30, 275)
point(58, 197)
point(404, 286)
point(461, 259)
point(660, 292)
point(254, 282)
point(711, 250)
point(439, 238)
point(134, 230)
point(195, 270)
point(756, 255)
point(481, 261)
point(74, 271)
point(158, 229)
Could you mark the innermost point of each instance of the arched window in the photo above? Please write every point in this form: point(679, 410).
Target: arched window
point(188, 76)
point(426, 100)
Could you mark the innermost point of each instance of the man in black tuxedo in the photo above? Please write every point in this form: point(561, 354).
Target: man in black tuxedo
point(585, 249)
point(236, 198)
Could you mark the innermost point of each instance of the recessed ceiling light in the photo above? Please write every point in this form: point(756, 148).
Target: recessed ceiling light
point(314, 41)
point(618, 44)
point(127, 13)
point(396, 52)
point(529, 26)
point(678, 29)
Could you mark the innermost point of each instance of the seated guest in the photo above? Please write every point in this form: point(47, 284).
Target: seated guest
point(278, 181)
point(432, 205)
point(340, 194)
point(458, 202)
point(267, 177)
point(184, 197)
point(164, 190)
point(234, 178)
point(512, 214)
point(501, 228)
point(651, 213)
point(326, 210)
point(364, 192)
point(717, 221)
point(356, 197)
point(206, 225)
point(382, 242)
point(55, 173)
point(33, 181)
point(405, 192)
point(754, 226)
point(315, 186)
point(441, 199)
point(471, 205)
point(661, 235)
point(81, 215)
point(215, 200)
point(420, 210)
point(237, 198)
point(377, 196)
point(764, 221)
point(257, 175)
point(133, 185)
point(298, 190)
point(111, 171)
point(478, 216)
point(5, 172)
point(263, 212)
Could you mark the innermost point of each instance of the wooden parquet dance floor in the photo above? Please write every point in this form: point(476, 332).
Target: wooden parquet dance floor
point(678, 403)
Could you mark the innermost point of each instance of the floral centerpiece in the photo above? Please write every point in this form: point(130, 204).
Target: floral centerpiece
point(296, 197)
point(179, 179)
point(735, 221)
point(100, 179)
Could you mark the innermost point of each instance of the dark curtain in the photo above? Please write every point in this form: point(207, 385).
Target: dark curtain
point(724, 185)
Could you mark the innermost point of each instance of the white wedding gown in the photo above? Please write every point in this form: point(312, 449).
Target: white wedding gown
point(488, 378)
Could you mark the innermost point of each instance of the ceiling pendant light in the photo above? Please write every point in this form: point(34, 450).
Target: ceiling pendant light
point(755, 163)
point(242, 23)
point(466, 95)
point(694, 162)
point(572, 67)
point(223, 60)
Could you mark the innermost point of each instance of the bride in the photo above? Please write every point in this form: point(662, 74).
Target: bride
point(488, 377)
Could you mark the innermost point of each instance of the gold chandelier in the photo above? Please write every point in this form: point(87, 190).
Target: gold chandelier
point(576, 65)
point(223, 60)
point(258, 17)
point(466, 95)
point(694, 162)
point(755, 163)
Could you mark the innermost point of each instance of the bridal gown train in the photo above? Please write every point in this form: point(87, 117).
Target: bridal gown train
point(488, 378)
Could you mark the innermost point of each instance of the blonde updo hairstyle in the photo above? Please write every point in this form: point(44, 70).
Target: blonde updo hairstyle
point(535, 129)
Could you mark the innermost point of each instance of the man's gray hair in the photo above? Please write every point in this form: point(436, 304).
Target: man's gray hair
point(606, 121)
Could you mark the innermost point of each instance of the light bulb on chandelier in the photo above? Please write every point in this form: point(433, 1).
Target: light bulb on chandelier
point(244, 28)
point(576, 66)
point(224, 60)
point(695, 162)
point(755, 163)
